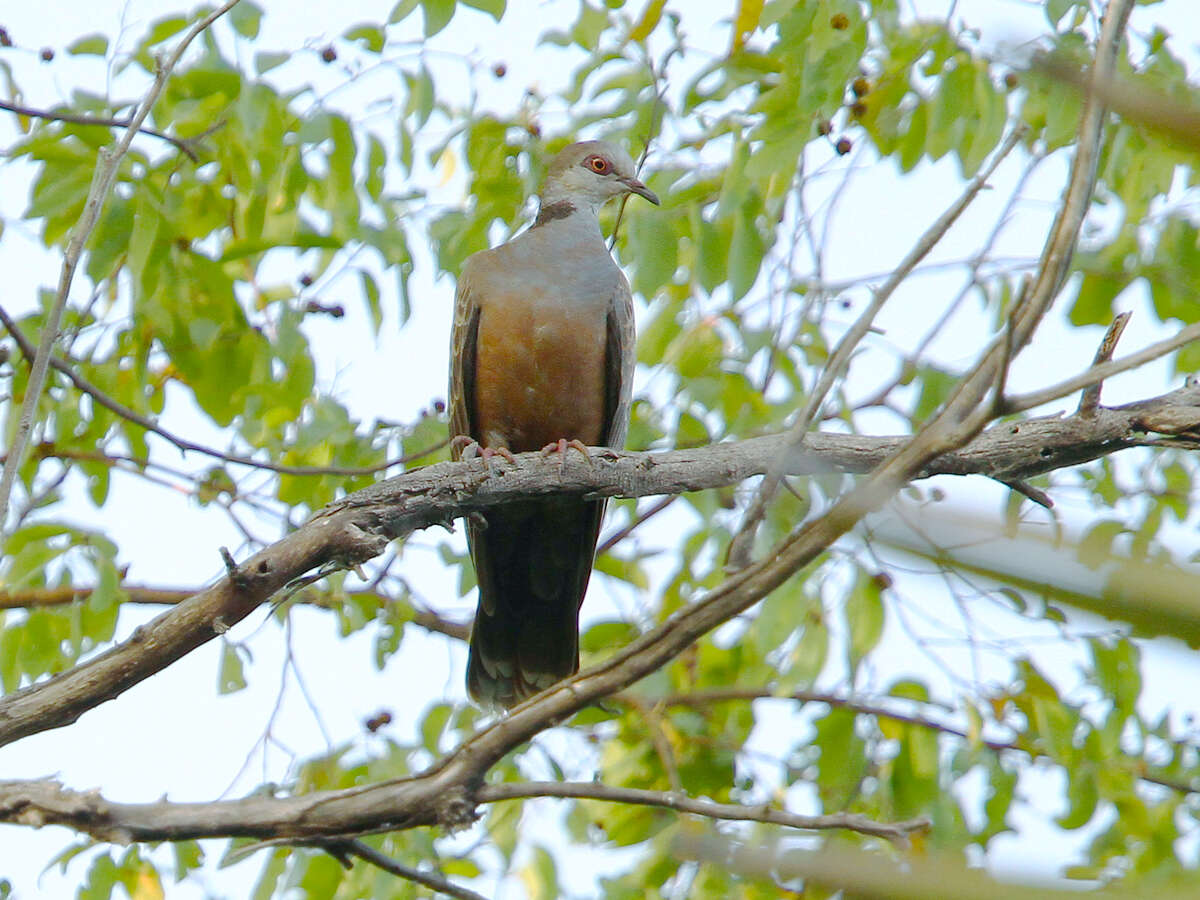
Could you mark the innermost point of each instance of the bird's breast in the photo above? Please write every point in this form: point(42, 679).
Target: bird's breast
point(540, 372)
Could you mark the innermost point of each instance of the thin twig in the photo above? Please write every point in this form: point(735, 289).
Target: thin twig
point(658, 737)
point(654, 118)
point(1097, 374)
point(109, 160)
point(591, 790)
point(743, 540)
point(1090, 399)
point(367, 853)
point(183, 444)
point(184, 145)
point(651, 511)
point(1029, 492)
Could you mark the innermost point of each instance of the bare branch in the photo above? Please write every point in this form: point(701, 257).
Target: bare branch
point(1097, 374)
point(184, 145)
point(590, 790)
point(358, 527)
point(367, 853)
point(325, 818)
point(1090, 398)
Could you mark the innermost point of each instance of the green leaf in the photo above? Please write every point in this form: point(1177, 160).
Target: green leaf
point(438, 14)
point(370, 36)
point(1083, 796)
point(648, 20)
point(434, 725)
point(371, 295)
point(91, 45)
point(231, 677)
point(746, 249)
point(494, 8)
point(864, 618)
point(246, 18)
point(265, 61)
point(402, 10)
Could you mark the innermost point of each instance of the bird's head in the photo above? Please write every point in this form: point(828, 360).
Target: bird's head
point(591, 172)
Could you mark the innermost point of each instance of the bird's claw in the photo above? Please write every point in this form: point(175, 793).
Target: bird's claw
point(561, 446)
point(470, 448)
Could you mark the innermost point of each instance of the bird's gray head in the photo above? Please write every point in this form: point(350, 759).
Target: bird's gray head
point(590, 172)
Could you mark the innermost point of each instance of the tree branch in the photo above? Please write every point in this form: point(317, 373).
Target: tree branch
point(342, 849)
point(184, 145)
point(358, 527)
point(46, 597)
point(898, 832)
point(839, 361)
point(310, 820)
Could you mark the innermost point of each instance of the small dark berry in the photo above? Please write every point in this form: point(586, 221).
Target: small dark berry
point(329, 54)
point(858, 109)
point(439, 406)
point(843, 146)
point(499, 70)
point(1011, 80)
point(840, 22)
point(882, 580)
point(534, 129)
point(306, 280)
point(824, 128)
point(861, 86)
point(5, 40)
point(47, 54)
point(377, 721)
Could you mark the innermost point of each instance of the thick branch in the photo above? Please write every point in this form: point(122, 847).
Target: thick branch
point(295, 819)
point(358, 527)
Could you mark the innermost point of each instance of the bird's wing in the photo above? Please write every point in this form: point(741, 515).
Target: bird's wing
point(620, 355)
point(462, 362)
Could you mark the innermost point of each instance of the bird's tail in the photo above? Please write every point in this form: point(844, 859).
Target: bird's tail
point(533, 561)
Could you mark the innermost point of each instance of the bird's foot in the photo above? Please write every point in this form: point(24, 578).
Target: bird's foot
point(561, 446)
point(471, 449)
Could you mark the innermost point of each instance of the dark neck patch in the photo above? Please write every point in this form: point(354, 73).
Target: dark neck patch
point(551, 211)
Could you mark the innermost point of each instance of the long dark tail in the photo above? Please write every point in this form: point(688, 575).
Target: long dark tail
point(533, 562)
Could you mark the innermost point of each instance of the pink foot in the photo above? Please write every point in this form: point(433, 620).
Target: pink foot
point(561, 446)
point(471, 449)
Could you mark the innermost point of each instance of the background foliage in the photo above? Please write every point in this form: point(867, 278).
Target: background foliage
point(205, 293)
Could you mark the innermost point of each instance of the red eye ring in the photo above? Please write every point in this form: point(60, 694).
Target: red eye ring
point(598, 164)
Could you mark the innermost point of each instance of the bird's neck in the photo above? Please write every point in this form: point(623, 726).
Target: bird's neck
point(558, 204)
point(553, 211)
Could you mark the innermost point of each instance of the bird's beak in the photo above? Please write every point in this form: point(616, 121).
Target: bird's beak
point(636, 187)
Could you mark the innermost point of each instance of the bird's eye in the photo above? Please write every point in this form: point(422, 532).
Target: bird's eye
point(598, 164)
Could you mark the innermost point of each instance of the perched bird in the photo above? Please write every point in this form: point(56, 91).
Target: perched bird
point(542, 357)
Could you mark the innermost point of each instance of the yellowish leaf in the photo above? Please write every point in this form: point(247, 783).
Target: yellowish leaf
point(147, 887)
point(746, 20)
point(649, 20)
